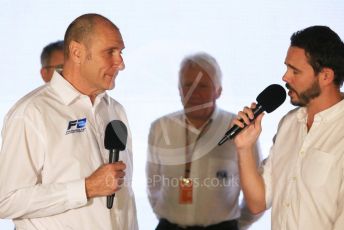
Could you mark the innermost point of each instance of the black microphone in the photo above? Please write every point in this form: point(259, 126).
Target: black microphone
point(268, 100)
point(115, 140)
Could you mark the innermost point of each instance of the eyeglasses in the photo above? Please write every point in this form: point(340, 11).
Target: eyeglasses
point(58, 68)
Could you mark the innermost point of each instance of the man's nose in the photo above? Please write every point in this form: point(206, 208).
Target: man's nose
point(119, 62)
point(121, 66)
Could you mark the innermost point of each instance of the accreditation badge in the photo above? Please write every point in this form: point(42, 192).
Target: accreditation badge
point(185, 191)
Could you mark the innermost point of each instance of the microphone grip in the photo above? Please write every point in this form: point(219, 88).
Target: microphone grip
point(109, 201)
point(113, 157)
point(235, 130)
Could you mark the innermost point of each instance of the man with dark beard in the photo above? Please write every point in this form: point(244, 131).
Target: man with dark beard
point(303, 177)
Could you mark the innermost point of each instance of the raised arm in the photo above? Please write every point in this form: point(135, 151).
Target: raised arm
point(251, 181)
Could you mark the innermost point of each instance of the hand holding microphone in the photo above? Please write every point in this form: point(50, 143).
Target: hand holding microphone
point(115, 140)
point(250, 126)
point(268, 100)
point(106, 180)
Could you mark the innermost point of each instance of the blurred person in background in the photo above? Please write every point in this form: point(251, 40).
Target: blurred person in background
point(52, 57)
point(192, 182)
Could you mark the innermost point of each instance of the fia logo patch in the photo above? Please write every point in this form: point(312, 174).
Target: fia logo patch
point(222, 174)
point(76, 126)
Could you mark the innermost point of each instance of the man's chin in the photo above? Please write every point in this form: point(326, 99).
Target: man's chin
point(111, 86)
point(111, 83)
point(296, 103)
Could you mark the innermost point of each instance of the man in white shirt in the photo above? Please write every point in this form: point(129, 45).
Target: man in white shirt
point(192, 182)
point(302, 178)
point(53, 165)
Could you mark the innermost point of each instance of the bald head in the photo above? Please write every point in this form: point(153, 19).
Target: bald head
point(82, 30)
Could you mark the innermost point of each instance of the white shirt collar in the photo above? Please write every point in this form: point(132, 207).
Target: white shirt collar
point(325, 115)
point(210, 119)
point(67, 92)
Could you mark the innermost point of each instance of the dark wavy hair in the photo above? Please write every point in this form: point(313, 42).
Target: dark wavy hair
point(323, 48)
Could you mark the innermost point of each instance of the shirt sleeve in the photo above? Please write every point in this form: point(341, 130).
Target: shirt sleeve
point(266, 169)
point(247, 218)
point(266, 174)
point(339, 222)
point(22, 193)
point(153, 172)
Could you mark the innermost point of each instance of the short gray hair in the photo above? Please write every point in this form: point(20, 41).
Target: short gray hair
point(48, 51)
point(207, 63)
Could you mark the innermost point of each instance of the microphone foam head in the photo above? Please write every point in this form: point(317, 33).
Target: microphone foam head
point(115, 135)
point(271, 97)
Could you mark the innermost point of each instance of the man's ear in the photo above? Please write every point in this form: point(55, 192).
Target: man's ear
point(76, 50)
point(218, 92)
point(327, 76)
point(44, 74)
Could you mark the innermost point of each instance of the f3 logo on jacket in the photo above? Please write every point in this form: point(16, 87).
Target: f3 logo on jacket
point(76, 126)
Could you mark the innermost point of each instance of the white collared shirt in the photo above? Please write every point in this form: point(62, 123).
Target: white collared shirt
point(304, 173)
point(52, 140)
point(214, 171)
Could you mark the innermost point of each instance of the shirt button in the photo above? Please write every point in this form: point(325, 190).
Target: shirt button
point(302, 153)
point(287, 205)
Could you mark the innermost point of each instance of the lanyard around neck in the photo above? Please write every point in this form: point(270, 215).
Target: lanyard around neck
point(188, 151)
